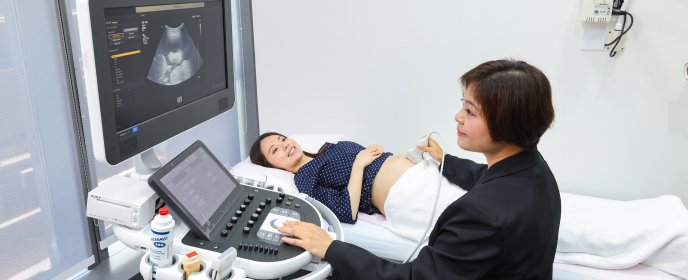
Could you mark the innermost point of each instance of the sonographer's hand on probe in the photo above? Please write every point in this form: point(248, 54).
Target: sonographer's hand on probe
point(433, 149)
point(313, 238)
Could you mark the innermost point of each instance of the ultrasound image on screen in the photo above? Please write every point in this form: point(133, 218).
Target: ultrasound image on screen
point(177, 58)
point(164, 57)
point(200, 185)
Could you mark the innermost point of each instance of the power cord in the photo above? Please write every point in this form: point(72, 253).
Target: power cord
point(437, 197)
point(616, 41)
point(618, 4)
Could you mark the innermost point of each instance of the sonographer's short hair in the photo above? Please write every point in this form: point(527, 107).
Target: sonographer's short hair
point(515, 98)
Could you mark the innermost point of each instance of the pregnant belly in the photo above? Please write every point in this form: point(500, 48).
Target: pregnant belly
point(390, 171)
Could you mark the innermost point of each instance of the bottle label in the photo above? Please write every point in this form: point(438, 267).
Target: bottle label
point(160, 253)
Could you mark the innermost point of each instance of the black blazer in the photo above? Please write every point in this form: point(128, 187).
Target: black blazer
point(504, 227)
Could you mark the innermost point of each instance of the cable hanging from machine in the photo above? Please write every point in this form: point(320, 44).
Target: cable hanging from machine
point(624, 30)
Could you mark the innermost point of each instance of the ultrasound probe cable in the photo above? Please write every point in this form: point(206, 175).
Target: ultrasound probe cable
point(437, 196)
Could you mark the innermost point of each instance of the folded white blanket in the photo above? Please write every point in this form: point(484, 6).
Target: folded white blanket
point(408, 205)
point(611, 234)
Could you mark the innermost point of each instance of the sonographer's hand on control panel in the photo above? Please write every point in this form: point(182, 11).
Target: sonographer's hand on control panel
point(433, 149)
point(313, 238)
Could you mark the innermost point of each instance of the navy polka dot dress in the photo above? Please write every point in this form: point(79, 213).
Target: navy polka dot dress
point(326, 178)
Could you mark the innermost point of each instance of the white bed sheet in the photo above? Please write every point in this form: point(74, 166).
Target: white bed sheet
point(638, 272)
point(378, 240)
point(385, 244)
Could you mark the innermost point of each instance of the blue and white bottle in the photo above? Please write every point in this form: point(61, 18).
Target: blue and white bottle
point(162, 235)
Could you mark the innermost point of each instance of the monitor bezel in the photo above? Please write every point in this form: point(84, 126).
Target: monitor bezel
point(162, 127)
point(171, 201)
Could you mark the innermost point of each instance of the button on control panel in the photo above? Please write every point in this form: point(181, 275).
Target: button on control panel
point(258, 248)
point(251, 223)
point(275, 219)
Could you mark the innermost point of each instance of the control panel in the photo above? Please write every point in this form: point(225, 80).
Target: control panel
point(252, 226)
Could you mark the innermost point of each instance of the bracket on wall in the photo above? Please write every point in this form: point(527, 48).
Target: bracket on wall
point(611, 35)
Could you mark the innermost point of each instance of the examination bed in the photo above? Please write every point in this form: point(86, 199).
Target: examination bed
point(369, 233)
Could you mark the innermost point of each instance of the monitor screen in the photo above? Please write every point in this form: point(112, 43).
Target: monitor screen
point(201, 186)
point(163, 57)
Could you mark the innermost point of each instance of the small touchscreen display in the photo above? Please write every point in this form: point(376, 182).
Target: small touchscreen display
point(202, 186)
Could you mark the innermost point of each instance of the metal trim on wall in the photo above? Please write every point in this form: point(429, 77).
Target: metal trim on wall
point(62, 15)
point(249, 119)
point(252, 87)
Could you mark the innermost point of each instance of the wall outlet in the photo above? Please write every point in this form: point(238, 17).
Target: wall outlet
point(611, 35)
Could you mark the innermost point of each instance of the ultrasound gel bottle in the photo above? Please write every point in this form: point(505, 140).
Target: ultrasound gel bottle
point(162, 235)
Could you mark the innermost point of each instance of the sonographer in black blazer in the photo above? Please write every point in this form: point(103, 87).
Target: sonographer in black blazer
point(504, 227)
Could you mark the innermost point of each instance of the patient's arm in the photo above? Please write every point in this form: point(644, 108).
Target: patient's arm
point(354, 187)
point(363, 159)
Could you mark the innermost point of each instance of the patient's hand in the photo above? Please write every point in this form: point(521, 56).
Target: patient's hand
point(367, 156)
point(312, 238)
point(378, 147)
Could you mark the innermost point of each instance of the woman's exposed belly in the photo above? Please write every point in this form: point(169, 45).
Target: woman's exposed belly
point(390, 171)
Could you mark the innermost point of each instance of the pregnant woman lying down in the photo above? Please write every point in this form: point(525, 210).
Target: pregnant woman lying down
point(349, 178)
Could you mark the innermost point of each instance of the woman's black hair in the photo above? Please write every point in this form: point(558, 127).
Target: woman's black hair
point(515, 99)
point(258, 158)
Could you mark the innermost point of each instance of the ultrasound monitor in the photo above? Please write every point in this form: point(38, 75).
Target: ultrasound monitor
point(161, 68)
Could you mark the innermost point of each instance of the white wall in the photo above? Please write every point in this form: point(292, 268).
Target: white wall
point(386, 72)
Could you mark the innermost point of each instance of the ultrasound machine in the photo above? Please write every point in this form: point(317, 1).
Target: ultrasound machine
point(154, 69)
point(221, 213)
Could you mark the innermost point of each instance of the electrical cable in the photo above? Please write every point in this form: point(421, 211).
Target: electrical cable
point(618, 38)
point(616, 41)
point(437, 197)
point(618, 4)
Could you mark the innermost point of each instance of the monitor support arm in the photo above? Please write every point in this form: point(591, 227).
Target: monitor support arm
point(145, 164)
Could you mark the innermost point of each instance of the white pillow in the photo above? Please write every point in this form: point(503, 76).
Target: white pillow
point(274, 176)
point(278, 177)
point(312, 142)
